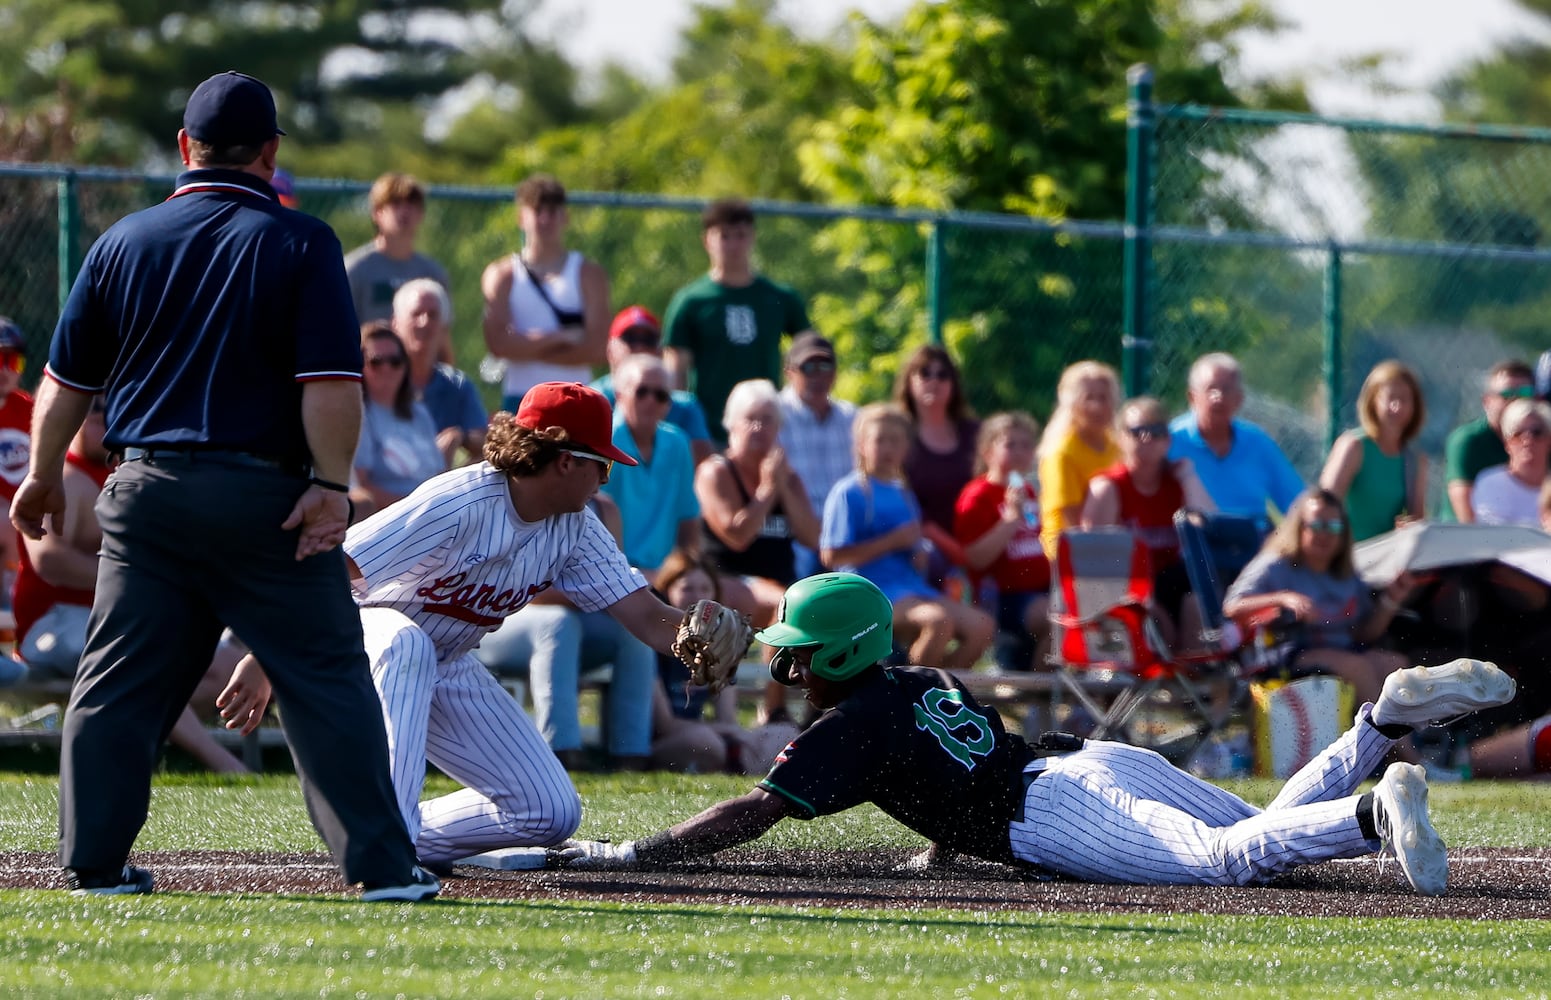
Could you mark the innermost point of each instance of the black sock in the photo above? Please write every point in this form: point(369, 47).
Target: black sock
point(1393, 731)
point(1367, 822)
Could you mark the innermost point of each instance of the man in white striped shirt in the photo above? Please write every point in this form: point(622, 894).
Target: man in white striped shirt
point(815, 428)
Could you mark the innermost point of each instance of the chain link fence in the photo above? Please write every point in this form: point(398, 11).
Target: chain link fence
point(1017, 299)
point(1313, 249)
point(1309, 248)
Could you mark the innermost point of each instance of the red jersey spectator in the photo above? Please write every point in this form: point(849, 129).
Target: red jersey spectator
point(996, 519)
point(1142, 492)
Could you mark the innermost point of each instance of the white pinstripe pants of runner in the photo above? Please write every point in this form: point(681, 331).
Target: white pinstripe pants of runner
point(457, 716)
point(1117, 813)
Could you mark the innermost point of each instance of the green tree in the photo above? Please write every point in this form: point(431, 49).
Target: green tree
point(1001, 105)
point(105, 82)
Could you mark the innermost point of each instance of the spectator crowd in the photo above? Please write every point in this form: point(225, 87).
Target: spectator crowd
point(751, 473)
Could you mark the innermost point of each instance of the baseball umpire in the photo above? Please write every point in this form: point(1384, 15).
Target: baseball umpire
point(440, 568)
point(219, 326)
point(916, 743)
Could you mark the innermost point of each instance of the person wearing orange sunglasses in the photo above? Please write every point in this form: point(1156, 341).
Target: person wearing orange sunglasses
point(15, 440)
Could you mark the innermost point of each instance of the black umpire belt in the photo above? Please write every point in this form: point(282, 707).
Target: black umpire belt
point(214, 456)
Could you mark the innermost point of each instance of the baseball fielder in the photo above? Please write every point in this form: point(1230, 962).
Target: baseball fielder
point(915, 742)
point(447, 564)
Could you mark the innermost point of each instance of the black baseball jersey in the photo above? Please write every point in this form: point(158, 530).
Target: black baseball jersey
point(917, 744)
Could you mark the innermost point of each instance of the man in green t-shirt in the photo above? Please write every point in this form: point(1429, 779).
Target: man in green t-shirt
point(1478, 445)
point(725, 326)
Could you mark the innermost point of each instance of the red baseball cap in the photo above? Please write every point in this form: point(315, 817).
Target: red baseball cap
point(631, 317)
point(582, 411)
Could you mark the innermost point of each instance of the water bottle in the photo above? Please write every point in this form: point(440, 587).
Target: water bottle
point(1016, 481)
point(492, 369)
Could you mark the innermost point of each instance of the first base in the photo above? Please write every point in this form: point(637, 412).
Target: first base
point(508, 859)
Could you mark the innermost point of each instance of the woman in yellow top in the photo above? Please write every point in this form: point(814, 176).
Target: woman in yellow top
point(1079, 441)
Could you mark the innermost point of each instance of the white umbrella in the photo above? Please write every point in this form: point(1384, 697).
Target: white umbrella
point(1426, 545)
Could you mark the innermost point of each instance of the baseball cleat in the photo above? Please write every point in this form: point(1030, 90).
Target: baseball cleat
point(422, 885)
point(1420, 696)
point(131, 881)
point(1400, 815)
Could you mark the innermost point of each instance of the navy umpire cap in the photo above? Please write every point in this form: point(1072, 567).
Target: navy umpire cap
point(231, 109)
point(11, 336)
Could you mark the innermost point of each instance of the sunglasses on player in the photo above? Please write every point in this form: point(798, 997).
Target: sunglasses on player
point(607, 463)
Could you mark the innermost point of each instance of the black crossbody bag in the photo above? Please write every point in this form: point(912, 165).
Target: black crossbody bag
point(565, 317)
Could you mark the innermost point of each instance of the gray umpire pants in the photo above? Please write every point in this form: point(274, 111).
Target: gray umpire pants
point(191, 544)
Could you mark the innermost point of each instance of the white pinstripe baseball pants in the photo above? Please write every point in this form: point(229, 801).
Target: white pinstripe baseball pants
point(1117, 813)
point(457, 715)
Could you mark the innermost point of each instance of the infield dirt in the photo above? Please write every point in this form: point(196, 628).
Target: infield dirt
point(1484, 884)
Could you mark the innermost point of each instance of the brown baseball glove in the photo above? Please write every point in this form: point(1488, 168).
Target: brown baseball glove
point(711, 641)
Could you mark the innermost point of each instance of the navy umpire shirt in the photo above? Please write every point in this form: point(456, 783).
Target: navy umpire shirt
point(201, 318)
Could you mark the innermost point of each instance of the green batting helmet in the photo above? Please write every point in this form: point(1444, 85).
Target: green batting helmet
point(845, 616)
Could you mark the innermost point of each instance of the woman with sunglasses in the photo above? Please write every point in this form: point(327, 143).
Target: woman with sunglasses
point(1142, 492)
point(1079, 443)
point(398, 449)
point(1510, 494)
point(1305, 569)
point(941, 459)
point(752, 505)
point(1375, 468)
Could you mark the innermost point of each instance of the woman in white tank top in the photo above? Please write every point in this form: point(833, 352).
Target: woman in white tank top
point(546, 308)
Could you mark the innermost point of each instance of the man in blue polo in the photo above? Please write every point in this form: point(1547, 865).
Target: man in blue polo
point(1243, 470)
point(220, 328)
point(656, 498)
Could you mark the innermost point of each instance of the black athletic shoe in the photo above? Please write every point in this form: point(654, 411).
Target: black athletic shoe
point(422, 885)
point(131, 881)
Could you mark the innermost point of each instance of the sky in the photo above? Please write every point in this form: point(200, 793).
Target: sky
point(1426, 37)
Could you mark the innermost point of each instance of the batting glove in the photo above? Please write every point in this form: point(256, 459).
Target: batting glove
point(598, 854)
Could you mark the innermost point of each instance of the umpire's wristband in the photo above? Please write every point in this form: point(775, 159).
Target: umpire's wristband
point(328, 484)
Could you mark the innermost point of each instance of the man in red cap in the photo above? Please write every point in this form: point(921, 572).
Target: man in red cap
point(636, 331)
point(439, 569)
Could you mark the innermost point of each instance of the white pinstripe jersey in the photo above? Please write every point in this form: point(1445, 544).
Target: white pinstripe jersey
point(456, 559)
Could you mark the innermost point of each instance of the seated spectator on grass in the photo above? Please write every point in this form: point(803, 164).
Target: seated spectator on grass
point(1079, 441)
point(1243, 470)
point(997, 522)
point(815, 428)
point(1376, 469)
point(56, 581)
point(555, 643)
point(1143, 491)
point(1477, 446)
point(753, 506)
point(380, 268)
point(943, 432)
point(872, 527)
point(1510, 493)
point(397, 450)
point(422, 317)
point(1306, 569)
point(754, 511)
point(683, 739)
point(636, 331)
point(656, 498)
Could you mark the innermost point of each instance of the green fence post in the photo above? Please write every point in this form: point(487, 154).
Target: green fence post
point(1136, 339)
point(1332, 324)
point(69, 239)
point(936, 274)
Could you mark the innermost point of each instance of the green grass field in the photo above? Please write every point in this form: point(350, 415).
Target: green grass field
point(260, 945)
